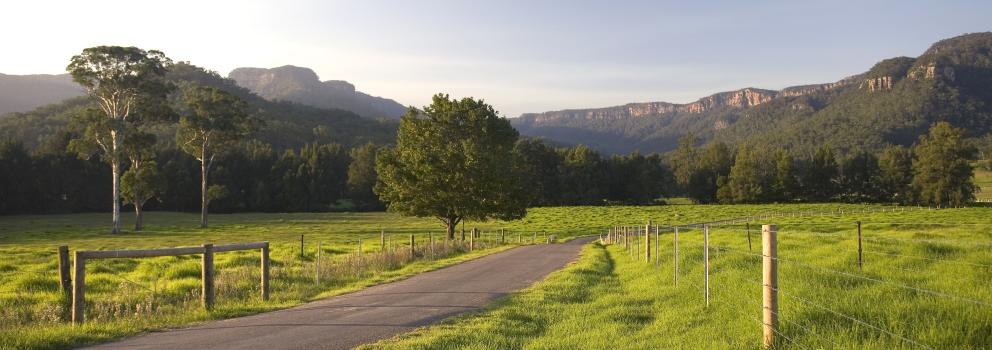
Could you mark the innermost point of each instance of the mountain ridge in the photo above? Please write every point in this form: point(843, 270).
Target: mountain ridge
point(22, 93)
point(303, 85)
point(891, 103)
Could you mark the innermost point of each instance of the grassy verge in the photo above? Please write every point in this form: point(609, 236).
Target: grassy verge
point(130, 296)
point(610, 299)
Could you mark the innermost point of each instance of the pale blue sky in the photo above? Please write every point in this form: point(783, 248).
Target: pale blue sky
point(521, 56)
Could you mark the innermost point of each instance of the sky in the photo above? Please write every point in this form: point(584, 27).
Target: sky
point(519, 56)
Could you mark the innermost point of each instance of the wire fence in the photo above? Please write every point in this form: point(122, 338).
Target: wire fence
point(914, 271)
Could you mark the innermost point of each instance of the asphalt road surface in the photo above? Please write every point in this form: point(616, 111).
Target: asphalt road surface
point(378, 312)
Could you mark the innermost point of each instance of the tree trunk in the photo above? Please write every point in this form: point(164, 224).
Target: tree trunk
point(203, 193)
point(451, 223)
point(139, 217)
point(115, 169)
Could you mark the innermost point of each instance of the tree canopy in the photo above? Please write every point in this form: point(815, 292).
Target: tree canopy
point(453, 161)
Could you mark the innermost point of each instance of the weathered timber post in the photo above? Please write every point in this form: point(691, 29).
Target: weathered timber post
point(647, 242)
point(432, 245)
point(316, 265)
point(747, 228)
point(637, 236)
point(706, 262)
point(413, 246)
point(769, 280)
point(207, 276)
point(502, 237)
point(265, 271)
point(65, 277)
point(675, 238)
point(78, 288)
point(359, 257)
point(657, 257)
point(471, 241)
point(859, 246)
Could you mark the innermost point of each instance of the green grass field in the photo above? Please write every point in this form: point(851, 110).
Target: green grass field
point(924, 284)
point(129, 296)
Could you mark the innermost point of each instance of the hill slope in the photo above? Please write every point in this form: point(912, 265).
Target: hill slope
point(22, 93)
point(894, 102)
point(301, 85)
point(287, 124)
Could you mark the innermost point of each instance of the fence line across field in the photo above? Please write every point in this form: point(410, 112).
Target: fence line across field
point(630, 236)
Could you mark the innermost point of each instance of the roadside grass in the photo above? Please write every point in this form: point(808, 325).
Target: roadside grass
point(130, 296)
point(610, 299)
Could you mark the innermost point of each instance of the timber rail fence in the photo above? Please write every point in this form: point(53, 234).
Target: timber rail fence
point(641, 242)
point(384, 252)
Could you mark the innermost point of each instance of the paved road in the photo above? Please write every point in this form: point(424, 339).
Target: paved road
point(379, 312)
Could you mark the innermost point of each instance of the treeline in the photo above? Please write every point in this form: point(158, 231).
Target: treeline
point(254, 177)
point(251, 178)
point(937, 170)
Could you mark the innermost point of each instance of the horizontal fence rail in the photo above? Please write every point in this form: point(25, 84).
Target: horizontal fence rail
point(78, 295)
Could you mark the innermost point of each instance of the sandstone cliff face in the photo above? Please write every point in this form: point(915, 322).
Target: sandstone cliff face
point(302, 85)
point(743, 98)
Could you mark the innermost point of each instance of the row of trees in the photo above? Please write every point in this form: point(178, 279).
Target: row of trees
point(936, 171)
point(250, 177)
point(130, 93)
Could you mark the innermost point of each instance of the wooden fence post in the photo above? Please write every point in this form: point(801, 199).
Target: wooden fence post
point(265, 271)
point(65, 277)
point(471, 240)
point(502, 236)
point(432, 245)
point(747, 228)
point(382, 240)
point(301, 248)
point(676, 239)
point(647, 242)
point(637, 233)
point(769, 276)
point(78, 288)
point(207, 275)
point(706, 261)
point(316, 265)
point(859, 246)
point(657, 257)
point(413, 246)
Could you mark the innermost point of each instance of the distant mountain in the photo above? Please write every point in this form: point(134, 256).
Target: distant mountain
point(893, 103)
point(22, 93)
point(286, 124)
point(301, 85)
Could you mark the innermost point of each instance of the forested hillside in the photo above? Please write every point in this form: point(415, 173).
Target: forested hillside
point(285, 124)
point(894, 102)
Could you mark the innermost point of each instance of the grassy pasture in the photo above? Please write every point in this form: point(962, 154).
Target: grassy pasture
point(611, 300)
point(128, 296)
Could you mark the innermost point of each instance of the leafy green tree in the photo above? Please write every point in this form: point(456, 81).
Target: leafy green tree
point(119, 79)
point(142, 181)
point(942, 172)
point(858, 173)
point(453, 161)
point(582, 176)
point(714, 162)
point(748, 180)
point(138, 185)
point(684, 159)
point(362, 177)
point(895, 174)
point(785, 185)
point(540, 165)
point(821, 175)
point(214, 122)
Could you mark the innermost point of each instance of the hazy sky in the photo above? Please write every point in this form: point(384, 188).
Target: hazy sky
point(520, 56)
